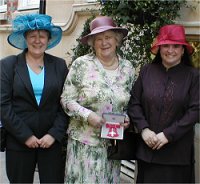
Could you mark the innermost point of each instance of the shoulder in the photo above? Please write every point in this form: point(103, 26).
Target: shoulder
point(84, 60)
point(192, 71)
point(8, 61)
point(126, 66)
point(11, 58)
point(55, 59)
point(58, 63)
point(146, 67)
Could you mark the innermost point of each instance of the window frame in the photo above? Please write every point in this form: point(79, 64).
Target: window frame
point(3, 7)
point(28, 4)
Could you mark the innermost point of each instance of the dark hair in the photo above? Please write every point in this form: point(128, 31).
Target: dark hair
point(186, 58)
point(49, 34)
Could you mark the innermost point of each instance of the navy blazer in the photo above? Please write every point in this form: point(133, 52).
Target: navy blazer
point(20, 113)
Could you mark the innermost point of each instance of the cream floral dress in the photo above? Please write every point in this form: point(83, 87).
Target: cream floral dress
point(89, 87)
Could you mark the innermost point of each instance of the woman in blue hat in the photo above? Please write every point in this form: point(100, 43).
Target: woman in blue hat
point(31, 85)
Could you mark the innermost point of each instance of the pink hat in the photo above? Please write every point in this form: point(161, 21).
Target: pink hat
point(101, 24)
point(171, 34)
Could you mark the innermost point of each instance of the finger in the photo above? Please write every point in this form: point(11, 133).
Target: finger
point(155, 146)
point(102, 121)
point(161, 145)
point(98, 125)
point(148, 143)
point(43, 146)
point(124, 124)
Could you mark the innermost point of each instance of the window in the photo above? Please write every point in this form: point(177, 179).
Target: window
point(28, 4)
point(3, 5)
point(91, 1)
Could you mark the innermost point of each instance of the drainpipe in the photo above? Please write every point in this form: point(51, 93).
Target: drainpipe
point(42, 8)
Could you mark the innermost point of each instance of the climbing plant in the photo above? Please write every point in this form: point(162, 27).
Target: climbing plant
point(143, 20)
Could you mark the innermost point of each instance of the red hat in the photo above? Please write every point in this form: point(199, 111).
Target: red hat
point(171, 34)
point(101, 24)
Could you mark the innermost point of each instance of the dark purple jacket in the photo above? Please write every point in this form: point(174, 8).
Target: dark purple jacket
point(166, 101)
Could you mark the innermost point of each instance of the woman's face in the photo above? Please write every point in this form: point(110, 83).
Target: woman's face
point(171, 54)
point(105, 45)
point(37, 41)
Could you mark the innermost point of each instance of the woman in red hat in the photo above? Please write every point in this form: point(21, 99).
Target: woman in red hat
point(164, 106)
point(97, 83)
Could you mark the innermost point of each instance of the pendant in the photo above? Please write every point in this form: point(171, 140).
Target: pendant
point(41, 67)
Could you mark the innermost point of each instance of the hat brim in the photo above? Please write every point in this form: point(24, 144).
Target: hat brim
point(17, 39)
point(155, 47)
point(124, 31)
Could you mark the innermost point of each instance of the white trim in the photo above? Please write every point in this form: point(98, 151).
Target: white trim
point(91, 1)
point(3, 8)
point(28, 4)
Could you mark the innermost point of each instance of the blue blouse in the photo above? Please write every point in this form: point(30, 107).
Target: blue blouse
point(37, 81)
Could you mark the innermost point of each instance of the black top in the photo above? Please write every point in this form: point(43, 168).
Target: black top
point(166, 101)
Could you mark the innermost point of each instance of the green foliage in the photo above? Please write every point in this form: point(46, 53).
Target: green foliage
point(143, 20)
point(81, 49)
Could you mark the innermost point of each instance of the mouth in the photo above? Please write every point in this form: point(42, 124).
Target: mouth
point(105, 49)
point(170, 56)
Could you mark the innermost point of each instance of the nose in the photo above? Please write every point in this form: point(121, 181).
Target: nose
point(170, 48)
point(104, 41)
point(37, 39)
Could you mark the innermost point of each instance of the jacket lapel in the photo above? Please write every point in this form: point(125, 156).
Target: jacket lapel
point(48, 79)
point(22, 70)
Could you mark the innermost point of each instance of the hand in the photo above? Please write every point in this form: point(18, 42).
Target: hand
point(32, 142)
point(95, 120)
point(126, 123)
point(46, 141)
point(162, 140)
point(149, 137)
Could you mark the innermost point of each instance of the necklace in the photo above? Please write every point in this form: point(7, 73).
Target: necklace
point(33, 64)
point(41, 67)
point(112, 65)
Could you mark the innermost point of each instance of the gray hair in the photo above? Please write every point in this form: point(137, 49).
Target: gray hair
point(118, 36)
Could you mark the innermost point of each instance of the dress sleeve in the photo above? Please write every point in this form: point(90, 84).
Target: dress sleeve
point(70, 94)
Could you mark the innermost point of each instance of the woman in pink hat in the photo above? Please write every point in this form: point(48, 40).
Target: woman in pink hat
point(97, 83)
point(164, 106)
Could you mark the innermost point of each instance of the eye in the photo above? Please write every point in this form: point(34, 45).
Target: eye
point(177, 46)
point(43, 36)
point(108, 37)
point(165, 45)
point(32, 36)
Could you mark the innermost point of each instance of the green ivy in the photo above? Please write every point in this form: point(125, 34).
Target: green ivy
point(143, 20)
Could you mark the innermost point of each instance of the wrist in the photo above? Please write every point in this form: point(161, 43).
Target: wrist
point(144, 129)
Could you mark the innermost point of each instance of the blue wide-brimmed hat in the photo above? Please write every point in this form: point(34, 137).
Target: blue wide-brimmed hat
point(24, 23)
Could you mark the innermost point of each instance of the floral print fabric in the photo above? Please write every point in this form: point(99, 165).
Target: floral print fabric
point(89, 165)
point(87, 88)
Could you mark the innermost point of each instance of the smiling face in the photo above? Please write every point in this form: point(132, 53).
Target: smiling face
point(37, 41)
point(171, 54)
point(105, 45)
